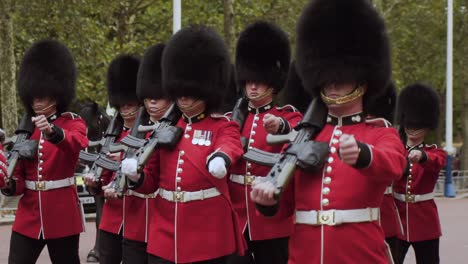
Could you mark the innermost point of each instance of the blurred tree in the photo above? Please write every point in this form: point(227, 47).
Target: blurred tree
point(8, 109)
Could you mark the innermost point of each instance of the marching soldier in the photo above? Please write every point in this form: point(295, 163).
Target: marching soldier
point(121, 88)
point(193, 220)
point(262, 63)
point(418, 113)
point(343, 57)
point(49, 211)
point(381, 113)
point(138, 206)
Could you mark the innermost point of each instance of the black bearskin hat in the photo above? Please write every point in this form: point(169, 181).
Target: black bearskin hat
point(340, 41)
point(232, 93)
point(418, 107)
point(47, 70)
point(263, 54)
point(122, 79)
point(294, 93)
point(149, 83)
point(384, 105)
point(196, 63)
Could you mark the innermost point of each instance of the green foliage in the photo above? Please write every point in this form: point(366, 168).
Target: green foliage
point(98, 30)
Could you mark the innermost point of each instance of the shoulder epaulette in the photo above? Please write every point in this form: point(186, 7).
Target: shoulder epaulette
point(287, 107)
point(220, 116)
point(379, 122)
point(70, 115)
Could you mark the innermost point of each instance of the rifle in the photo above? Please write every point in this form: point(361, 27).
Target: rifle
point(112, 133)
point(23, 148)
point(301, 151)
point(164, 134)
point(118, 183)
point(239, 114)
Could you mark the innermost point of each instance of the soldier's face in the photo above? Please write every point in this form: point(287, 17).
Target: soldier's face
point(128, 111)
point(185, 101)
point(255, 89)
point(416, 134)
point(338, 90)
point(44, 106)
point(156, 107)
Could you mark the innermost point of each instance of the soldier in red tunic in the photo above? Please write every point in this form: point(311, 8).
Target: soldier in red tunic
point(193, 220)
point(381, 113)
point(138, 206)
point(121, 88)
point(418, 113)
point(343, 57)
point(262, 62)
point(49, 212)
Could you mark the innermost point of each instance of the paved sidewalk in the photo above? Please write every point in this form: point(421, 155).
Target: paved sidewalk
point(453, 244)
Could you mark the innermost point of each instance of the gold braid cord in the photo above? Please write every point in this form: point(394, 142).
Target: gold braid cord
point(358, 92)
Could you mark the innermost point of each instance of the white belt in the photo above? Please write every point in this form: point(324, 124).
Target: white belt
point(389, 190)
point(141, 195)
point(337, 217)
point(413, 198)
point(242, 179)
point(49, 185)
point(183, 197)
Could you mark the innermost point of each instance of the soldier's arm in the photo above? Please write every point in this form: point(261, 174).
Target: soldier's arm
point(73, 138)
point(227, 145)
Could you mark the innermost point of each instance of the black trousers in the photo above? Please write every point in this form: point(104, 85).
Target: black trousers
point(271, 251)
point(110, 248)
point(152, 259)
point(26, 250)
point(134, 252)
point(427, 252)
point(99, 200)
point(392, 243)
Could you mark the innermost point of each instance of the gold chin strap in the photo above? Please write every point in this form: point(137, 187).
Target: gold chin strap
point(162, 110)
point(358, 92)
point(130, 114)
point(260, 97)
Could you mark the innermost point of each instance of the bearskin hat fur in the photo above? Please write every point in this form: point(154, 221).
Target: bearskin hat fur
point(263, 54)
point(149, 83)
point(294, 93)
point(418, 107)
point(196, 63)
point(340, 41)
point(122, 80)
point(47, 70)
point(232, 93)
point(384, 105)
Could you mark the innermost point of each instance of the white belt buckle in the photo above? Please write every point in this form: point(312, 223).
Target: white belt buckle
point(410, 198)
point(178, 196)
point(40, 185)
point(248, 179)
point(326, 217)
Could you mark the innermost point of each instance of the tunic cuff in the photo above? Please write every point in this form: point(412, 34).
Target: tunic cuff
point(57, 136)
point(365, 156)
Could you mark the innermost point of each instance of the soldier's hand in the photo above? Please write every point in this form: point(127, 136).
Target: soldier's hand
point(113, 156)
point(109, 192)
point(263, 192)
point(415, 156)
point(271, 123)
point(349, 149)
point(42, 124)
point(90, 180)
point(129, 168)
point(217, 167)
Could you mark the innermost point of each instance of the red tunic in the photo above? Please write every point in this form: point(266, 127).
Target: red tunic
point(3, 167)
point(56, 213)
point(343, 187)
point(137, 216)
point(196, 230)
point(259, 226)
point(421, 220)
point(112, 211)
point(389, 218)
